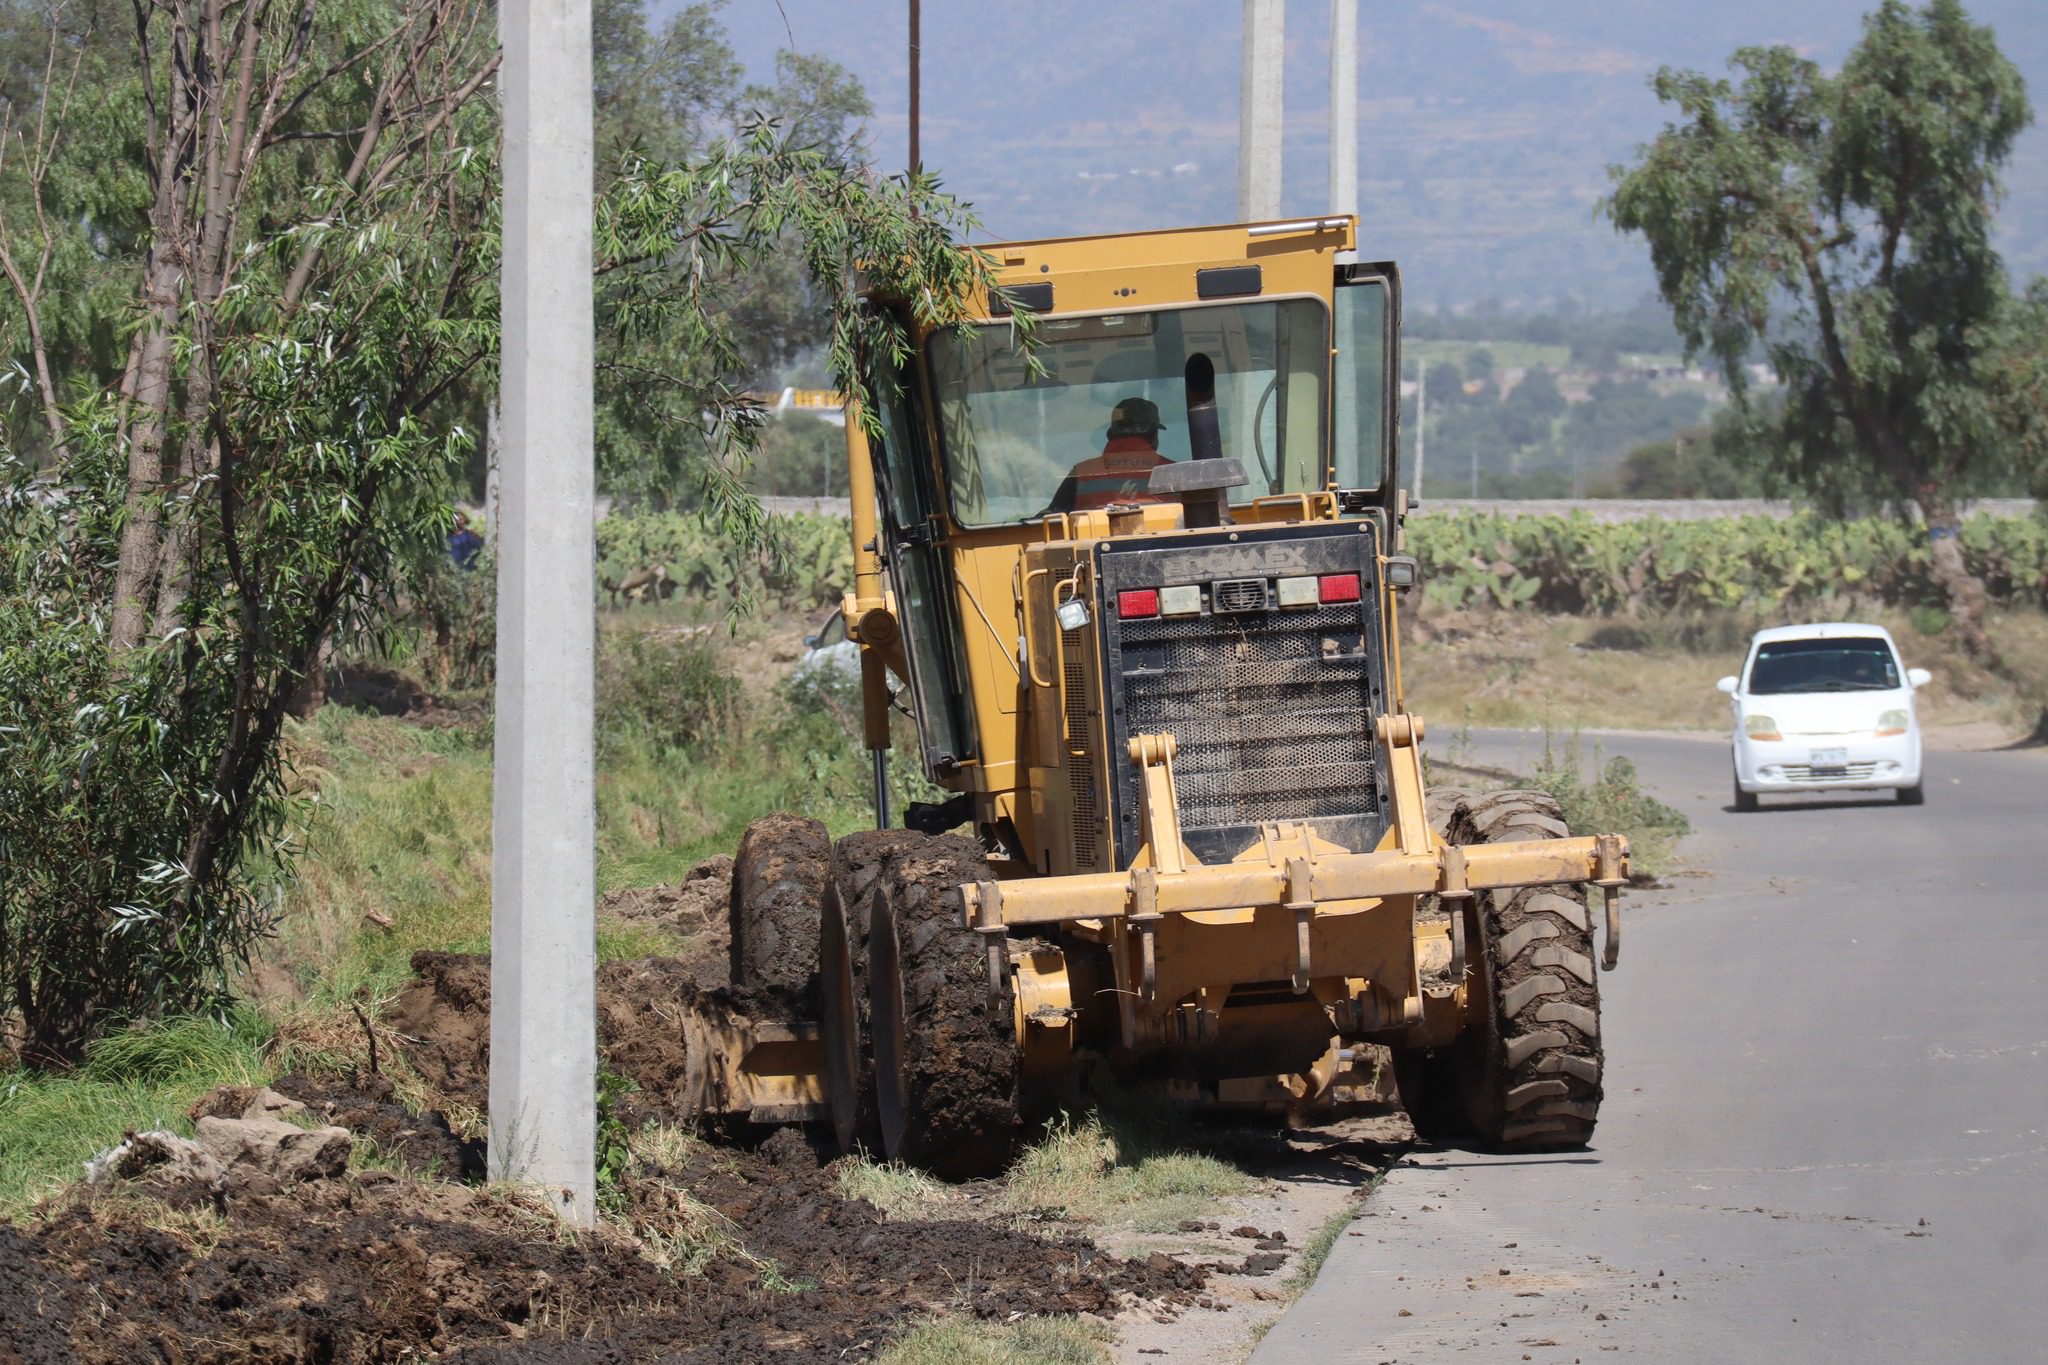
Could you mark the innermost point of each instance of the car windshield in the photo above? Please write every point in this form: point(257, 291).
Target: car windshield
point(1110, 403)
point(1847, 664)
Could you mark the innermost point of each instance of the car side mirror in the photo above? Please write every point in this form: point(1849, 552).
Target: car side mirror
point(1727, 685)
point(1918, 677)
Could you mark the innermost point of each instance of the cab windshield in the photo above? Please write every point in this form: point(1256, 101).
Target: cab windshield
point(1081, 430)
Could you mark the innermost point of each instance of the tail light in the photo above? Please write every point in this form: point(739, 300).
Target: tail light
point(1338, 587)
point(1137, 602)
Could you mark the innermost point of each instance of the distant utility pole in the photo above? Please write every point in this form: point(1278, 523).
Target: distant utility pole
point(1344, 110)
point(1259, 110)
point(543, 1088)
point(916, 44)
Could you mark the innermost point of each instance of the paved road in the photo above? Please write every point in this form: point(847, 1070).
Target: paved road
point(1825, 1136)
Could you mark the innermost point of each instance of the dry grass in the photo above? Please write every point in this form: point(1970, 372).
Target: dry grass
point(1137, 1170)
point(1531, 671)
point(1028, 1341)
point(899, 1191)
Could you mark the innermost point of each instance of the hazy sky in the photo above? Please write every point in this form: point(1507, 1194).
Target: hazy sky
point(1485, 127)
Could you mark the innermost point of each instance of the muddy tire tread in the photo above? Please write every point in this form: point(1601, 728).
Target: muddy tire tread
point(778, 883)
point(961, 1062)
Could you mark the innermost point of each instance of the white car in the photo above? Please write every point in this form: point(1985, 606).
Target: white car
point(1825, 707)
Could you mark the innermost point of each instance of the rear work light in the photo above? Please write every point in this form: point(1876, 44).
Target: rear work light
point(1136, 602)
point(1339, 587)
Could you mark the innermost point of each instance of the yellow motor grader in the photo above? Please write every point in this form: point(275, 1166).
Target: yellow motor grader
point(1139, 575)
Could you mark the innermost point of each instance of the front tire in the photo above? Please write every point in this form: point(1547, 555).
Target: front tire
point(1745, 802)
point(1525, 1073)
point(1915, 795)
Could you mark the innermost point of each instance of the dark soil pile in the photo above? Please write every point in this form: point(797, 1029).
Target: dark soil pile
point(443, 1016)
point(373, 1267)
point(422, 1143)
point(694, 906)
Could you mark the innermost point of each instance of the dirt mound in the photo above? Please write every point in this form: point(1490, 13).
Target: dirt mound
point(695, 905)
point(377, 1268)
point(422, 1143)
point(443, 1016)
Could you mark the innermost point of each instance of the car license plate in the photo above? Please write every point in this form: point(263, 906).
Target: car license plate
point(1830, 758)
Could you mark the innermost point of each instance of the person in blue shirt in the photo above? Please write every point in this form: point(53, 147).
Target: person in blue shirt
point(464, 545)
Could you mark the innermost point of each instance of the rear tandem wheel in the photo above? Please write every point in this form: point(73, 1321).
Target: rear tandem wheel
point(947, 1066)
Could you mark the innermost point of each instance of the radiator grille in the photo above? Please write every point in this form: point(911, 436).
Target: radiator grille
point(1080, 762)
point(1271, 711)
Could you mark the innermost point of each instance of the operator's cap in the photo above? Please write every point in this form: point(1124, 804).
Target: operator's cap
point(1134, 417)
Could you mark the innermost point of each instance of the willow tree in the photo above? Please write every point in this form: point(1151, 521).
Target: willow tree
point(1840, 226)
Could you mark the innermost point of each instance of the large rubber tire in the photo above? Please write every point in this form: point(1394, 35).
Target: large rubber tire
point(1525, 1075)
point(858, 862)
point(946, 1058)
point(778, 885)
point(1532, 1069)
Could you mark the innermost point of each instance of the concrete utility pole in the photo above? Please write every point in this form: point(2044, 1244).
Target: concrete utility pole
point(1344, 107)
point(1259, 110)
point(544, 840)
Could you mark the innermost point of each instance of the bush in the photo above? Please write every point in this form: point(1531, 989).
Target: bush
point(1576, 566)
point(667, 690)
point(1613, 802)
point(133, 879)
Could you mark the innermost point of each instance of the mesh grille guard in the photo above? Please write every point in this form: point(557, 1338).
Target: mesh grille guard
point(1273, 708)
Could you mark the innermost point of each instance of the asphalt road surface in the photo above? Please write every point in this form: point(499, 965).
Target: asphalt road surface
point(1825, 1134)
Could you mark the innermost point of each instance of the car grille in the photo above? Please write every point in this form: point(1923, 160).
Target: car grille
point(1270, 711)
point(1801, 772)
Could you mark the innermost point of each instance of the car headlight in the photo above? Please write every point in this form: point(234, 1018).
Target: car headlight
point(1760, 727)
point(1891, 723)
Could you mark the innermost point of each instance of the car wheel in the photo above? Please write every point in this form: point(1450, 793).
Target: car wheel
point(1914, 795)
point(1745, 802)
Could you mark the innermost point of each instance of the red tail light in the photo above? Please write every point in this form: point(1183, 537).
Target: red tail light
point(1137, 602)
point(1338, 587)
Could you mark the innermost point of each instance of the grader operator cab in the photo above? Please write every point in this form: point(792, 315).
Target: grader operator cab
point(1142, 579)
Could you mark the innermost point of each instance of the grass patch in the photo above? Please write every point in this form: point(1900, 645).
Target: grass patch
point(1028, 1341)
point(899, 1191)
point(1317, 1249)
point(1138, 1169)
point(692, 749)
point(132, 1081)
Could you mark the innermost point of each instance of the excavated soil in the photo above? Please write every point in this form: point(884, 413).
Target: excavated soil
point(443, 1017)
point(692, 907)
point(372, 1267)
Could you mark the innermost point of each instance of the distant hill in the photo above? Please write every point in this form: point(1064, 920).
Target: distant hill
point(1487, 125)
